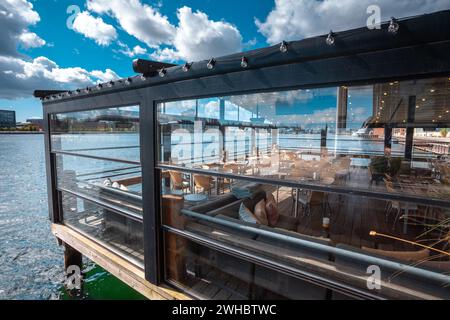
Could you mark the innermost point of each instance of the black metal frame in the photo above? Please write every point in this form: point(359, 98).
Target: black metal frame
point(405, 58)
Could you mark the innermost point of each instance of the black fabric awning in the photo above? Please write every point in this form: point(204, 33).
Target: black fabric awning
point(44, 93)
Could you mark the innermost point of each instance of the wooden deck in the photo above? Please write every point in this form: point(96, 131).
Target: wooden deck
point(116, 265)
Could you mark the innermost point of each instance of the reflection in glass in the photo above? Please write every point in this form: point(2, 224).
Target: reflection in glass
point(355, 136)
point(120, 232)
point(112, 132)
point(332, 235)
point(98, 172)
point(353, 173)
point(119, 184)
point(210, 274)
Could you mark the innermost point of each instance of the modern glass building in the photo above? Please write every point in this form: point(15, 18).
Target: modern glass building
point(7, 119)
point(312, 169)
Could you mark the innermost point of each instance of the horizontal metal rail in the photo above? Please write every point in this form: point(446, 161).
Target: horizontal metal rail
point(122, 192)
point(106, 171)
point(119, 210)
point(442, 278)
point(97, 157)
point(113, 175)
point(274, 265)
point(97, 149)
point(314, 187)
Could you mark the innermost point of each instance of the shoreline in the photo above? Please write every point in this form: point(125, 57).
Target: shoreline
point(21, 132)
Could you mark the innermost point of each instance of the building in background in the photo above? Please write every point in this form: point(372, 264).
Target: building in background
point(36, 123)
point(7, 119)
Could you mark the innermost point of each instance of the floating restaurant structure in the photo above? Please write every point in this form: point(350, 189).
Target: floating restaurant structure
point(240, 177)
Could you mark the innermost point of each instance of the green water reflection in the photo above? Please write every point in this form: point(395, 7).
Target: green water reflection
point(101, 285)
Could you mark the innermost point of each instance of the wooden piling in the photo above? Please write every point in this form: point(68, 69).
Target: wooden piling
point(72, 257)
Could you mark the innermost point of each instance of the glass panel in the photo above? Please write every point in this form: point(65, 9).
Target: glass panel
point(118, 184)
point(103, 164)
point(107, 226)
point(340, 237)
point(112, 132)
point(210, 274)
point(347, 138)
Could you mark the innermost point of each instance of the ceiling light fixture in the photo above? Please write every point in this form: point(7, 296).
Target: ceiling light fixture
point(393, 26)
point(211, 63)
point(162, 72)
point(330, 38)
point(244, 62)
point(187, 66)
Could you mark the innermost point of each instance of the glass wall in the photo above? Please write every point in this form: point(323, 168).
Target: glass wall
point(347, 185)
point(98, 171)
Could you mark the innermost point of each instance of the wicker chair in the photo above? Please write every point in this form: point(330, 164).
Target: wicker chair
point(205, 183)
point(178, 181)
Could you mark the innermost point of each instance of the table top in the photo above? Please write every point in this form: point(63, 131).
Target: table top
point(195, 197)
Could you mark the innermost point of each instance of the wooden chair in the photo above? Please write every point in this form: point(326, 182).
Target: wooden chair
point(343, 168)
point(329, 171)
point(231, 168)
point(206, 183)
point(289, 155)
point(178, 181)
point(265, 162)
point(310, 199)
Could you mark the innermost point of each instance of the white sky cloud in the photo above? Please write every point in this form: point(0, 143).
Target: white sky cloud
point(140, 20)
point(94, 28)
point(294, 20)
point(31, 40)
point(105, 76)
point(20, 78)
point(16, 16)
point(135, 51)
point(197, 37)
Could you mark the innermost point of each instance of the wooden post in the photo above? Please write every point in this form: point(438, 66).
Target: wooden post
point(222, 153)
point(72, 257)
point(175, 246)
point(341, 110)
point(222, 110)
point(387, 141)
point(409, 138)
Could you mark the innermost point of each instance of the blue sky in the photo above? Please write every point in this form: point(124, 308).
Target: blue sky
point(38, 50)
